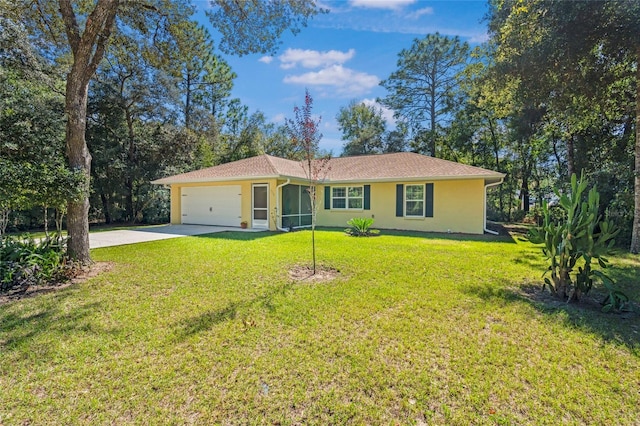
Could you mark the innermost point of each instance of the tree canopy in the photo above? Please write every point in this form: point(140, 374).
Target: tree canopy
point(78, 36)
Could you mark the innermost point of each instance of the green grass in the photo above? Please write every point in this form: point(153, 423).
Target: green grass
point(417, 329)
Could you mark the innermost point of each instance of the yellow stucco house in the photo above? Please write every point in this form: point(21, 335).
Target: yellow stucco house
point(403, 190)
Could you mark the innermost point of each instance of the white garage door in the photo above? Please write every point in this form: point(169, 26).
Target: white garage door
point(211, 205)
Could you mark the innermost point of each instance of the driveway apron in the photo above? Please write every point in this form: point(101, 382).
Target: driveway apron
point(153, 233)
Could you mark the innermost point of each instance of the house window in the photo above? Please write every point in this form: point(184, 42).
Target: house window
point(414, 200)
point(347, 197)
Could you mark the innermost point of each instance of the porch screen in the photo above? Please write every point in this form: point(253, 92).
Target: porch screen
point(296, 206)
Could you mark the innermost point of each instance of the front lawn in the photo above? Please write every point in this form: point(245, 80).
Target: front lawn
point(416, 329)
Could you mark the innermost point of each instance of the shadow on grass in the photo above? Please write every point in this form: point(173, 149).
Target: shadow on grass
point(238, 235)
point(18, 328)
point(622, 328)
point(207, 320)
point(502, 238)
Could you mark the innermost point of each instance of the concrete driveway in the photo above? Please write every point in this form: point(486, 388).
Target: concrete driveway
point(153, 233)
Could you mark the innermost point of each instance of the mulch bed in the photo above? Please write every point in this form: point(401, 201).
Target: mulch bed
point(305, 273)
point(78, 275)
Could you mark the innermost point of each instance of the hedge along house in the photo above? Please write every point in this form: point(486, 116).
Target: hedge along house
point(403, 190)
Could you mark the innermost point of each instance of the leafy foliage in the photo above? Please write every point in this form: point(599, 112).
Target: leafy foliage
point(361, 227)
point(362, 127)
point(25, 261)
point(424, 89)
point(255, 26)
point(574, 242)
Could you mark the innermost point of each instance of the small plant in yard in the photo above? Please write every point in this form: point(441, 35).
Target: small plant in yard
point(573, 242)
point(361, 227)
point(25, 261)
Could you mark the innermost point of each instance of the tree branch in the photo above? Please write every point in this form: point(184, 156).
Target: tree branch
point(70, 24)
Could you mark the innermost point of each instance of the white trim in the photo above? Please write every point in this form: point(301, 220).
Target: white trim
point(346, 198)
point(278, 207)
point(424, 202)
point(412, 179)
point(168, 181)
point(484, 219)
point(325, 181)
point(259, 223)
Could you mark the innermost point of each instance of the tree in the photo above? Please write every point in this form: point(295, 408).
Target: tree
point(32, 171)
point(362, 128)
point(395, 140)
point(305, 136)
point(579, 59)
point(248, 26)
point(423, 90)
point(205, 78)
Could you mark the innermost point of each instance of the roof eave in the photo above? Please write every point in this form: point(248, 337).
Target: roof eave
point(416, 178)
point(169, 181)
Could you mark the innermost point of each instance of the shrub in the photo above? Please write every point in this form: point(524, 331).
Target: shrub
point(25, 261)
point(575, 240)
point(361, 227)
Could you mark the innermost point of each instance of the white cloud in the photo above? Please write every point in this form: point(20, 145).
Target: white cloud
point(278, 118)
point(313, 58)
point(266, 59)
point(387, 114)
point(420, 12)
point(479, 38)
point(382, 4)
point(346, 82)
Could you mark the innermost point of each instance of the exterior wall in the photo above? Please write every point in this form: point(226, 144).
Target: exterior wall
point(245, 187)
point(458, 206)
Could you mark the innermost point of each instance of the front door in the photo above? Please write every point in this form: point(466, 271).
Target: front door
point(260, 206)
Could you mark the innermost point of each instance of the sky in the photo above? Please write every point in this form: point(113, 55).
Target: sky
point(343, 55)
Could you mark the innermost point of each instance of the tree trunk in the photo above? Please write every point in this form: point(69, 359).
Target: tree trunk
point(635, 235)
point(88, 50)
point(496, 154)
point(524, 193)
point(571, 159)
point(106, 208)
point(79, 159)
point(187, 103)
point(131, 152)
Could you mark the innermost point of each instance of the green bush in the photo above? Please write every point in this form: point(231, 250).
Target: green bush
point(25, 261)
point(361, 227)
point(573, 241)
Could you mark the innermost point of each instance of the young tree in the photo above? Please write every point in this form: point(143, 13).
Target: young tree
point(424, 88)
point(305, 135)
point(247, 26)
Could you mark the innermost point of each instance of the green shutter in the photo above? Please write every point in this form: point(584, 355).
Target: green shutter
point(428, 210)
point(327, 198)
point(399, 200)
point(367, 197)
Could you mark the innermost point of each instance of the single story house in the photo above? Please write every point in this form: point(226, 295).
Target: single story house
point(402, 190)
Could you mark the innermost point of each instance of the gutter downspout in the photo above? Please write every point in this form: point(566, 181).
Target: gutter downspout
point(489, 185)
point(279, 228)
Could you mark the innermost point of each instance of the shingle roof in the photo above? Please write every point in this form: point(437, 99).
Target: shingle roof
point(396, 166)
point(401, 165)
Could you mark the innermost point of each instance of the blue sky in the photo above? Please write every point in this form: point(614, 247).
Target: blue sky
point(343, 55)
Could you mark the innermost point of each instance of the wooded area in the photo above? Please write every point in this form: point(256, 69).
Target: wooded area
point(99, 98)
